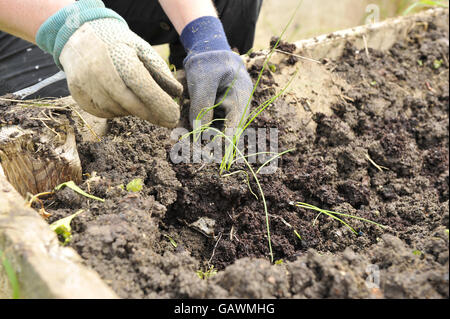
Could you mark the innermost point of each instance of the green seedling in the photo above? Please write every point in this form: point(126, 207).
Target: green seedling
point(373, 83)
point(75, 188)
point(279, 262)
point(273, 68)
point(437, 64)
point(11, 275)
point(173, 68)
point(420, 62)
point(417, 253)
point(446, 232)
point(424, 4)
point(136, 185)
point(62, 227)
point(205, 275)
point(334, 216)
point(173, 242)
point(232, 151)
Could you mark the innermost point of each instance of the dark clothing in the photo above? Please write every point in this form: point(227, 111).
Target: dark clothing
point(23, 64)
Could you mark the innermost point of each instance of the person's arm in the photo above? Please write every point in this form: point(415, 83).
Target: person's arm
point(215, 75)
point(23, 18)
point(110, 70)
point(182, 12)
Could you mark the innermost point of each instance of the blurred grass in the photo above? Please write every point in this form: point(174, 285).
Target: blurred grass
point(318, 17)
point(323, 16)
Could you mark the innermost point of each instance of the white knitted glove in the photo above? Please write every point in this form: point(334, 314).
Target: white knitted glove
point(112, 72)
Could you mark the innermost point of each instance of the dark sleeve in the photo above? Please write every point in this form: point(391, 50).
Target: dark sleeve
point(23, 64)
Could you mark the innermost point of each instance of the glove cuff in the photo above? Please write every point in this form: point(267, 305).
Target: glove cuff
point(204, 34)
point(54, 33)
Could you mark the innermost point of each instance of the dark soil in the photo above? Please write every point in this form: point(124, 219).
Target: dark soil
point(395, 112)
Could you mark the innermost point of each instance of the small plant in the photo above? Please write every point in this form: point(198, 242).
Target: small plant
point(62, 227)
point(334, 216)
point(417, 253)
point(437, 64)
point(75, 188)
point(297, 234)
point(11, 274)
point(232, 151)
point(279, 262)
point(36, 198)
point(205, 275)
point(136, 185)
point(173, 242)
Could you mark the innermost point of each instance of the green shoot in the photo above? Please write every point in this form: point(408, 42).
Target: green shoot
point(62, 227)
point(437, 63)
point(248, 180)
point(205, 275)
point(135, 185)
point(273, 158)
point(232, 149)
point(11, 274)
point(334, 216)
point(417, 253)
point(252, 171)
point(75, 188)
point(279, 262)
point(173, 242)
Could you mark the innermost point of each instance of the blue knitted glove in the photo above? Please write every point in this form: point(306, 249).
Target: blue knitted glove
point(211, 69)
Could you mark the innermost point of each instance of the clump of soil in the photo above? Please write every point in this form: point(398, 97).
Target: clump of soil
point(383, 155)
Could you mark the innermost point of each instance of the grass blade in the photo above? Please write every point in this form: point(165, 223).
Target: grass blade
point(333, 215)
point(74, 187)
point(11, 274)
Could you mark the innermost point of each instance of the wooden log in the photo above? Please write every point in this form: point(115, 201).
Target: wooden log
point(43, 267)
point(35, 162)
point(40, 151)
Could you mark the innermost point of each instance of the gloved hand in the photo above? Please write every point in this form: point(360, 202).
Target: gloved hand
point(211, 69)
point(110, 70)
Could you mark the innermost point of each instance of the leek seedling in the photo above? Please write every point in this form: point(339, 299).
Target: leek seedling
point(334, 216)
point(232, 151)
